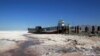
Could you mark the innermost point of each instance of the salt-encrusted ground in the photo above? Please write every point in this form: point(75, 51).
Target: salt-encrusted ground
point(21, 43)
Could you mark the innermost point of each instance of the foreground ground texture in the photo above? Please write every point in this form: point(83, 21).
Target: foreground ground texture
point(16, 43)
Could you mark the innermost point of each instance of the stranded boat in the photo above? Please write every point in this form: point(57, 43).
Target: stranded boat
point(60, 28)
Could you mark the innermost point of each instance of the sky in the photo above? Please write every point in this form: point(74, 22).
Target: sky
point(21, 14)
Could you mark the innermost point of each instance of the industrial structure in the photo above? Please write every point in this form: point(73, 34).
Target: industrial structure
point(65, 28)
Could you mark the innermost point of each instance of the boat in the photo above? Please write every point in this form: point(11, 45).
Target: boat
point(60, 28)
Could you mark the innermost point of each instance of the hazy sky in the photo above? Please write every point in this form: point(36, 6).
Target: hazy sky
point(21, 14)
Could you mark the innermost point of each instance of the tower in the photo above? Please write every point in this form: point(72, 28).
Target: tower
point(61, 28)
point(61, 23)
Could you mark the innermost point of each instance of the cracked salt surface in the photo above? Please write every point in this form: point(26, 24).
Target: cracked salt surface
point(7, 45)
point(25, 44)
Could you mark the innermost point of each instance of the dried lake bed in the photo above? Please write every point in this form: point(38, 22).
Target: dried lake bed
point(21, 43)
